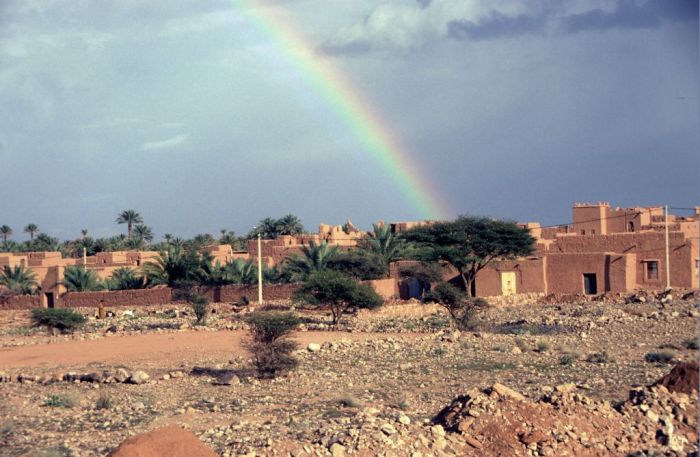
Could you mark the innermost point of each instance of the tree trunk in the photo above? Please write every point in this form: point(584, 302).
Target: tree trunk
point(128, 231)
point(467, 281)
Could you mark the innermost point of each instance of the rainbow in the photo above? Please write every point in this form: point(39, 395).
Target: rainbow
point(367, 126)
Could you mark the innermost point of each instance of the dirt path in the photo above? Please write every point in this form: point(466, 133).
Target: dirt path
point(154, 347)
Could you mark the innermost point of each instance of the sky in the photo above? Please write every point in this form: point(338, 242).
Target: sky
point(209, 115)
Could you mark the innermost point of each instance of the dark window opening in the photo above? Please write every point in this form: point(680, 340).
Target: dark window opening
point(590, 284)
point(652, 269)
point(630, 226)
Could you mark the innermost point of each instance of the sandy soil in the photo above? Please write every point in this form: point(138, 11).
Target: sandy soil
point(149, 347)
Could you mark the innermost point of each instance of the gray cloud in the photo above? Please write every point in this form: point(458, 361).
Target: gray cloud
point(630, 15)
point(496, 25)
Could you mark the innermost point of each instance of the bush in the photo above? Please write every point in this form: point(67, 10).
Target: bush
point(337, 292)
point(270, 347)
point(62, 319)
point(567, 359)
point(103, 402)
point(543, 346)
point(598, 357)
point(463, 310)
point(61, 401)
point(658, 357)
point(691, 344)
point(200, 306)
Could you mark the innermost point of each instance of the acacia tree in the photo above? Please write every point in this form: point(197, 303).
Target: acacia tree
point(31, 229)
point(469, 244)
point(129, 217)
point(337, 292)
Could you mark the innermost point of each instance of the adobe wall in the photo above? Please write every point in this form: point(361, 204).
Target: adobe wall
point(590, 219)
point(386, 288)
point(138, 297)
point(235, 293)
point(565, 272)
point(21, 302)
point(529, 274)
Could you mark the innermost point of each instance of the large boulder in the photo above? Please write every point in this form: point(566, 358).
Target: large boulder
point(682, 378)
point(170, 441)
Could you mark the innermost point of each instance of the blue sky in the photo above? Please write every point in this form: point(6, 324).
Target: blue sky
point(187, 112)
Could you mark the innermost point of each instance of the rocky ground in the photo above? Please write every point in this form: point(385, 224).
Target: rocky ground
point(574, 364)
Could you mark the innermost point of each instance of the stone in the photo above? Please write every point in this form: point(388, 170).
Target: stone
point(337, 450)
point(313, 347)
point(139, 377)
point(464, 425)
point(516, 350)
point(535, 438)
point(121, 375)
point(226, 379)
point(437, 430)
point(472, 442)
point(507, 392)
point(565, 388)
point(404, 419)
point(388, 429)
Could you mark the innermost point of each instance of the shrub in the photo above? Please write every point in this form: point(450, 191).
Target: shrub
point(270, 345)
point(336, 292)
point(463, 310)
point(522, 344)
point(598, 357)
point(691, 344)
point(200, 306)
point(62, 319)
point(567, 359)
point(103, 402)
point(658, 357)
point(61, 401)
point(543, 346)
point(350, 401)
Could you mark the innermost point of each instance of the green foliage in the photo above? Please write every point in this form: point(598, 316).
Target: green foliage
point(61, 401)
point(5, 232)
point(200, 306)
point(125, 279)
point(129, 217)
point(543, 346)
point(315, 258)
point(176, 265)
point(462, 309)
point(80, 279)
point(385, 245)
point(426, 273)
point(18, 279)
point(359, 264)
point(270, 229)
point(142, 234)
point(63, 319)
point(32, 229)
point(567, 359)
point(240, 271)
point(103, 402)
point(469, 244)
point(337, 292)
point(270, 345)
point(659, 357)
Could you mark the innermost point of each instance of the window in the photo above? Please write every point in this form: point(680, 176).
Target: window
point(583, 231)
point(630, 226)
point(652, 269)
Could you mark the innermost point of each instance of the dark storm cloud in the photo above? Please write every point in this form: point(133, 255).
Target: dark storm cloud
point(496, 25)
point(424, 3)
point(629, 15)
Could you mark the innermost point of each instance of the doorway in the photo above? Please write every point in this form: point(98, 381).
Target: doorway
point(508, 283)
point(590, 284)
point(49, 300)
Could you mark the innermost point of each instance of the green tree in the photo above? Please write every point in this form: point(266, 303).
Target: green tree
point(6, 232)
point(469, 244)
point(125, 279)
point(359, 264)
point(289, 225)
point(461, 309)
point(143, 234)
point(384, 244)
point(32, 229)
point(315, 258)
point(130, 218)
point(83, 233)
point(240, 271)
point(77, 278)
point(337, 292)
point(19, 279)
point(176, 266)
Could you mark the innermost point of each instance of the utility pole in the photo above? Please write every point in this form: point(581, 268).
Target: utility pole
point(668, 263)
point(260, 291)
point(84, 256)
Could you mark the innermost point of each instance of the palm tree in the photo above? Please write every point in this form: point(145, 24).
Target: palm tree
point(386, 245)
point(83, 234)
point(241, 271)
point(18, 279)
point(315, 258)
point(129, 217)
point(174, 266)
point(79, 279)
point(125, 279)
point(31, 229)
point(6, 232)
point(289, 225)
point(168, 237)
point(143, 233)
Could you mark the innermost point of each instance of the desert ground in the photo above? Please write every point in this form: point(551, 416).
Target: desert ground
point(542, 376)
